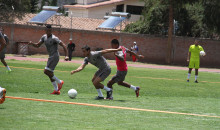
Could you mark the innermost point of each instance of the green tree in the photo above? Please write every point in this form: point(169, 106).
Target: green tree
point(33, 4)
point(10, 9)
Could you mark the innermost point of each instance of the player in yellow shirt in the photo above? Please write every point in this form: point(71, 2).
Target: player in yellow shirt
point(194, 59)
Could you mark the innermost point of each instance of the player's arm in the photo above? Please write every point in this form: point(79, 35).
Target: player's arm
point(137, 56)
point(78, 69)
point(120, 57)
point(3, 43)
point(189, 53)
point(35, 44)
point(65, 50)
point(110, 50)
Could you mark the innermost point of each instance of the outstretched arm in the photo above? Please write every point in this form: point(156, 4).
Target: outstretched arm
point(3, 43)
point(110, 50)
point(137, 56)
point(35, 44)
point(65, 50)
point(78, 69)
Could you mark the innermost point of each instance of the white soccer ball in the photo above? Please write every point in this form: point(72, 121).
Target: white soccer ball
point(72, 93)
point(202, 53)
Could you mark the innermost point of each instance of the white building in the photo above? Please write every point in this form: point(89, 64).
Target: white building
point(99, 8)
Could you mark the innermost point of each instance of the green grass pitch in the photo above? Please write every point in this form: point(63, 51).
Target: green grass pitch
point(165, 90)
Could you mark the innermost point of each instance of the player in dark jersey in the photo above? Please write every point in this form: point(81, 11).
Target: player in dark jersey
point(2, 53)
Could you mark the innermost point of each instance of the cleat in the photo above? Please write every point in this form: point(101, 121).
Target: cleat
point(99, 98)
point(196, 81)
point(60, 85)
point(187, 80)
point(111, 98)
point(137, 91)
point(55, 92)
point(109, 94)
point(2, 95)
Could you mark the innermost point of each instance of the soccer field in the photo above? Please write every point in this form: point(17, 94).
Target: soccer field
point(162, 92)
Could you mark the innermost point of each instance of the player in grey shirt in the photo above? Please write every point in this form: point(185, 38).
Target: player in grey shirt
point(2, 53)
point(51, 42)
point(96, 59)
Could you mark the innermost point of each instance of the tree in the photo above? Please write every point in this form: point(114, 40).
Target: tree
point(33, 4)
point(10, 9)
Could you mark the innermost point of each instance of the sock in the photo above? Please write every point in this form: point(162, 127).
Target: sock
point(106, 88)
point(133, 87)
point(99, 92)
point(55, 78)
point(196, 76)
point(8, 68)
point(55, 85)
point(188, 75)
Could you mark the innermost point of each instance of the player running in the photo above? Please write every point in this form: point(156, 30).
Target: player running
point(2, 53)
point(194, 59)
point(122, 68)
point(96, 59)
point(52, 42)
point(2, 90)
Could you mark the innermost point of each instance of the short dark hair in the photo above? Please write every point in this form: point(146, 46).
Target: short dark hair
point(86, 47)
point(48, 26)
point(115, 41)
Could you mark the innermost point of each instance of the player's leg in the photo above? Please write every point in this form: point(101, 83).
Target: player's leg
point(51, 64)
point(70, 54)
point(2, 57)
point(191, 66)
point(196, 71)
point(135, 88)
point(50, 74)
point(100, 76)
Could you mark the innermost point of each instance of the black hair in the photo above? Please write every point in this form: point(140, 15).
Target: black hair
point(115, 41)
point(86, 47)
point(48, 26)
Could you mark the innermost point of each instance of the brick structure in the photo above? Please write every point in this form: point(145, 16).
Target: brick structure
point(152, 47)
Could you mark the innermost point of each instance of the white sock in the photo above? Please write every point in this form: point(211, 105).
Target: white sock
point(106, 88)
point(8, 68)
point(99, 92)
point(196, 76)
point(133, 87)
point(55, 78)
point(188, 75)
point(55, 85)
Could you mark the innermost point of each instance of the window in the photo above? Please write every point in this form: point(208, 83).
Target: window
point(134, 9)
point(120, 8)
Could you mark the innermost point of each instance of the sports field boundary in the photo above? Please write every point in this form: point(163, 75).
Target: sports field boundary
point(112, 107)
point(137, 65)
point(113, 75)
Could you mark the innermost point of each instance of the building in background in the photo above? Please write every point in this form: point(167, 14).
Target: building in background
point(100, 8)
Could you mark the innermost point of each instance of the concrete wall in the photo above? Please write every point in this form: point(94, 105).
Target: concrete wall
point(152, 47)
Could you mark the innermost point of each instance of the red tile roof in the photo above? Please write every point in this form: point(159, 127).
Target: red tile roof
point(77, 22)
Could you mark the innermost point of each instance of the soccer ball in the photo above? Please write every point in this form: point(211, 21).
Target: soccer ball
point(202, 53)
point(72, 93)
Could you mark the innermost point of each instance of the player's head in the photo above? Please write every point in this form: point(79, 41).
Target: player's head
point(48, 30)
point(196, 42)
point(115, 43)
point(86, 50)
